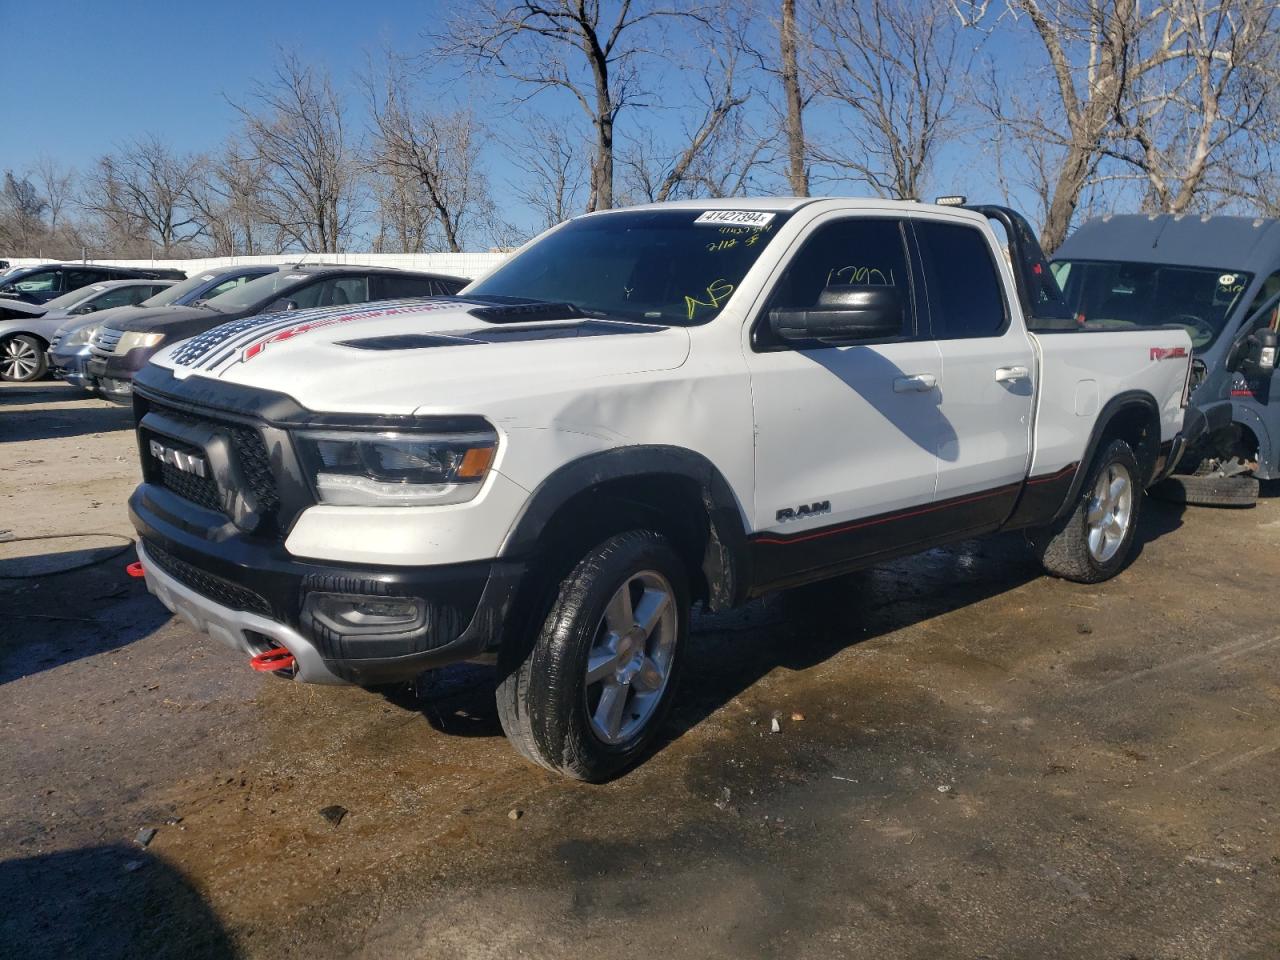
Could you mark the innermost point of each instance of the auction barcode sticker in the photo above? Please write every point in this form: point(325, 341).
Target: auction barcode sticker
point(736, 218)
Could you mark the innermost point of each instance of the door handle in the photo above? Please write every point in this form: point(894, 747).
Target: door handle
point(1007, 374)
point(919, 383)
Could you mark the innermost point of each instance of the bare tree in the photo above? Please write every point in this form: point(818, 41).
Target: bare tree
point(556, 180)
point(709, 138)
point(891, 68)
point(143, 193)
point(1201, 111)
point(56, 184)
point(577, 46)
point(22, 215)
point(227, 199)
point(431, 162)
point(789, 75)
point(295, 128)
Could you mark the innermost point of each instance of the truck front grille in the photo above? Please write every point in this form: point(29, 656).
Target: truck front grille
point(249, 451)
point(105, 341)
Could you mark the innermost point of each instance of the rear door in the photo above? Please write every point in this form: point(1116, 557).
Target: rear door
point(846, 436)
point(987, 388)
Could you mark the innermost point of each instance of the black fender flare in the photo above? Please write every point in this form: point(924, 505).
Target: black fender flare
point(1125, 400)
point(727, 559)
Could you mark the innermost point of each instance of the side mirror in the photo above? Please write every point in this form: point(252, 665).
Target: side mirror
point(87, 308)
point(283, 305)
point(1259, 358)
point(843, 314)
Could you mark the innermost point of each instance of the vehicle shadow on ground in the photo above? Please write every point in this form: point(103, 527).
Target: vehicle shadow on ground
point(57, 618)
point(794, 630)
point(106, 902)
point(16, 426)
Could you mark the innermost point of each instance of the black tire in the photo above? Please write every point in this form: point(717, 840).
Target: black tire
point(23, 359)
point(1063, 548)
point(542, 692)
point(1209, 490)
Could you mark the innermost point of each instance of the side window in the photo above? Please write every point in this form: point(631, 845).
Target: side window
point(963, 285)
point(43, 281)
point(226, 285)
point(869, 252)
point(388, 286)
point(82, 278)
point(121, 297)
point(1269, 288)
point(346, 290)
point(308, 296)
point(447, 288)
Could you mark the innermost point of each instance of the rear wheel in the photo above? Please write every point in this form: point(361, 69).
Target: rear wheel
point(589, 697)
point(22, 359)
point(1095, 540)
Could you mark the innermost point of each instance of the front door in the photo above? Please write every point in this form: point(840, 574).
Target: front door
point(847, 436)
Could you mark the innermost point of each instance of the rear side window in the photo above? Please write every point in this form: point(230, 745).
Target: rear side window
point(82, 278)
point(392, 287)
point(961, 280)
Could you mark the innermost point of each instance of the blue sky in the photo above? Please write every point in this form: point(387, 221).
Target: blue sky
point(97, 72)
point(77, 83)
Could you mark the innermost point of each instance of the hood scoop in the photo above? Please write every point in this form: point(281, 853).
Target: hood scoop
point(525, 310)
point(464, 338)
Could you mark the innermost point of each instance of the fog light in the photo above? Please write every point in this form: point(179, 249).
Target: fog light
point(347, 613)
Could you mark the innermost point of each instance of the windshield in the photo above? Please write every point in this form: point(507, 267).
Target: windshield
point(69, 300)
point(1107, 295)
point(659, 266)
point(254, 292)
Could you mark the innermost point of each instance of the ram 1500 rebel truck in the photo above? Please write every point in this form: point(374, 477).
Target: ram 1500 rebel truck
point(640, 410)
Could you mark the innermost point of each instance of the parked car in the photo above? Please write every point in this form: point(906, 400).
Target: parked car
point(23, 340)
point(69, 350)
point(26, 288)
point(121, 349)
point(643, 409)
point(1219, 278)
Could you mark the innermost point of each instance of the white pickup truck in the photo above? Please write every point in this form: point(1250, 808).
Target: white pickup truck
point(642, 409)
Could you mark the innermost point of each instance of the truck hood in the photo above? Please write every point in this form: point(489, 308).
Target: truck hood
point(422, 355)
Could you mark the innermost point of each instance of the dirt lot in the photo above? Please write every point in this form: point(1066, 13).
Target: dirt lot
point(973, 761)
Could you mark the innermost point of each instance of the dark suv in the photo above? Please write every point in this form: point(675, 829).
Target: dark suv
point(28, 286)
point(120, 351)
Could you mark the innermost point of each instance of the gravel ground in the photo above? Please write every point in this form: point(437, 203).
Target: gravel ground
point(972, 761)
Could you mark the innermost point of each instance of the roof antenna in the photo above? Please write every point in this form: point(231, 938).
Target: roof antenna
point(1164, 222)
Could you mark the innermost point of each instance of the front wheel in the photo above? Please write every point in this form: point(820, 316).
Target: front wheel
point(22, 359)
point(1094, 541)
point(589, 697)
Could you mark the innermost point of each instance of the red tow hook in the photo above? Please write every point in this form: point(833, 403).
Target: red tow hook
point(269, 661)
point(135, 569)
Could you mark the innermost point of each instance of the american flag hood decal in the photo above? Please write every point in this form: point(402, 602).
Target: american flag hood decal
point(242, 340)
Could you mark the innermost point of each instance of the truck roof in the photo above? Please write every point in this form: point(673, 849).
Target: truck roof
point(1246, 244)
point(790, 204)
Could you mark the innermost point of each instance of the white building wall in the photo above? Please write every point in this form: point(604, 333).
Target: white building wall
point(456, 264)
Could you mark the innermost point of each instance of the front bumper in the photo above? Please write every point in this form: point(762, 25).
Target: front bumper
point(113, 374)
point(72, 366)
point(251, 595)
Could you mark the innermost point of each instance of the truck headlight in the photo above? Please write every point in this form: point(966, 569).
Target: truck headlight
point(396, 469)
point(134, 339)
